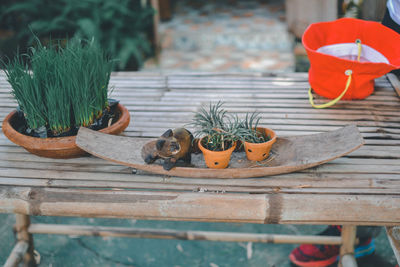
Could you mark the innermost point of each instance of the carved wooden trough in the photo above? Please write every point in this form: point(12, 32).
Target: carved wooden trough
point(289, 154)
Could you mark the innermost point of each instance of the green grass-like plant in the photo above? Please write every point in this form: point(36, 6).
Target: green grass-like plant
point(64, 87)
point(26, 92)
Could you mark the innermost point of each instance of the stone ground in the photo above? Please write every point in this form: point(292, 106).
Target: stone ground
point(244, 36)
point(96, 251)
point(225, 35)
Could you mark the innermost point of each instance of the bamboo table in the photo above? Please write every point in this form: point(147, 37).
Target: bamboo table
point(359, 189)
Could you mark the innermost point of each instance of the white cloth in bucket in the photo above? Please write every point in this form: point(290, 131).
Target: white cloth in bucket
point(349, 51)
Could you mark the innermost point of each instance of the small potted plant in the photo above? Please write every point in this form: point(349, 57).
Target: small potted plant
point(59, 89)
point(257, 140)
point(217, 137)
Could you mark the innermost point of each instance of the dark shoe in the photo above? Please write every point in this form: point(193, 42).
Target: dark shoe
point(324, 255)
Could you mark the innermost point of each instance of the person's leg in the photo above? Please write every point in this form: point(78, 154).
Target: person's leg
point(325, 255)
point(365, 232)
point(317, 255)
point(389, 22)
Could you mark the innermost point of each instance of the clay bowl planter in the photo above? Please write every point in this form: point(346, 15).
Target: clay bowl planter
point(260, 151)
point(58, 147)
point(216, 159)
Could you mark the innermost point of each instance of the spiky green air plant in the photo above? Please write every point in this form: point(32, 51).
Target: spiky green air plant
point(207, 120)
point(236, 127)
point(214, 124)
point(248, 127)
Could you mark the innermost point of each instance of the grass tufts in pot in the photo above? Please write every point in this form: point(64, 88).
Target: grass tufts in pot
point(48, 78)
point(90, 85)
point(26, 92)
point(60, 88)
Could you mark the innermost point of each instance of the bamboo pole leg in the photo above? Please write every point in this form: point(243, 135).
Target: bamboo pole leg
point(348, 260)
point(17, 254)
point(181, 235)
point(347, 248)
point(393, 234)
point(21, 226)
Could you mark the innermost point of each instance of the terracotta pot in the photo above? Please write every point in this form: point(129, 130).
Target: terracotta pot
point(217, 159)
point(260, 151)
point(58, 147)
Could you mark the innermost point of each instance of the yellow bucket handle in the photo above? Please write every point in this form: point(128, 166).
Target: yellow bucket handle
point(348, 82)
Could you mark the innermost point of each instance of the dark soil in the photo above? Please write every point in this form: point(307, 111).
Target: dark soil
point(227, 145)
point(109, 116)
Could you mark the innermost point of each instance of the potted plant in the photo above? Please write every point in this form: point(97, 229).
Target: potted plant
point(59, 89)
point(257, 140)
point(217, 137)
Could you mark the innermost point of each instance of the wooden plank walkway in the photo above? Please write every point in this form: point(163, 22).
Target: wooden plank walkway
point(361, 188)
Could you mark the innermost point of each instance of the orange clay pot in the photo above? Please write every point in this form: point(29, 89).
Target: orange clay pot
point(217, 159)
point(260, 151)
point(58, 147)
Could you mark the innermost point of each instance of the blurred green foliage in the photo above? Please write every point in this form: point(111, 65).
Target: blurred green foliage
point(122, 27)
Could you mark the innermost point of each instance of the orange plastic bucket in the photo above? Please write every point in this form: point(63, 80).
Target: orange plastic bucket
point(346, 55)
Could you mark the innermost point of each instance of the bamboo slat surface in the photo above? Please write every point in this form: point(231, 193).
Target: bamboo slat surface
point(361, 188)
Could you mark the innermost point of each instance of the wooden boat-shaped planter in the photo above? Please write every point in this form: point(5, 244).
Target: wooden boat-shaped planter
point(289, 154)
